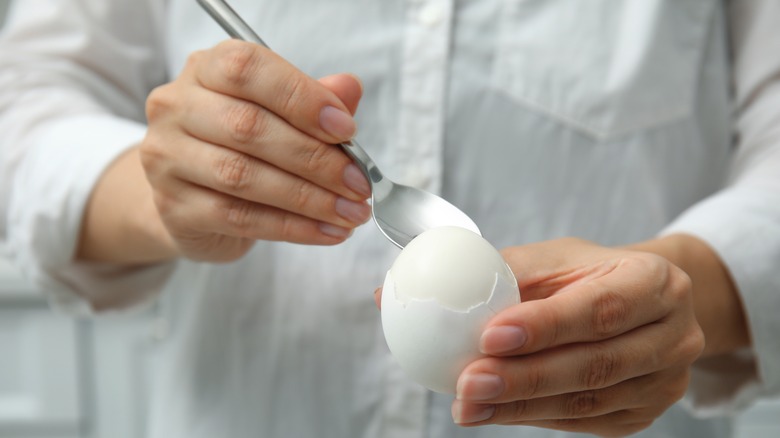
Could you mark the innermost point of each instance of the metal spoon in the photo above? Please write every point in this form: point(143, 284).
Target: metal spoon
point(400, 212)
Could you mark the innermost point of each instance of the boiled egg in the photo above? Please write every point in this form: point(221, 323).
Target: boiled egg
point(438, 295)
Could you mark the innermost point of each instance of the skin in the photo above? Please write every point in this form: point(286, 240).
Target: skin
point(230, 159)
point(604, 338)
point(240, 148)
point(628, 324)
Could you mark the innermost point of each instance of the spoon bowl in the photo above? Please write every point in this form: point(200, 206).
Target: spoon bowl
point(406, 212)
point(400, 212)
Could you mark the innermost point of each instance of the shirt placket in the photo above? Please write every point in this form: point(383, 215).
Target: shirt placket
point(423, 88)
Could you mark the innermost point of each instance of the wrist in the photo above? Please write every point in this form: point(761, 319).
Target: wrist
point(121, 224)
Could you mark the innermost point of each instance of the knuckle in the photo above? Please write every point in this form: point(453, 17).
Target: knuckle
point(237, 61)
point(165, 204)
point(151, 153)
point(651, 265)
point(580, 404)
point(519, 410)
point(601, 370)
point(610, 311)
point(245, 123)
point(155, 158)
point(288, 227)
point(302, 195)
point(535, 383)
point(692, 345)
point(315, 158)
point(194, 59)
point(679, 283)
point(238, 215)
point(233, 172)
point(665, 275)
point(159, 102)
point(292, 92)
point(555, 330)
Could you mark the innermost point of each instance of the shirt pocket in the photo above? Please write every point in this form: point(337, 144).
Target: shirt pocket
point(604, 67)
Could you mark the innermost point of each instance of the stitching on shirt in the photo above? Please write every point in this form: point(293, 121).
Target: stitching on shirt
point(657, 116)
point(663, 116)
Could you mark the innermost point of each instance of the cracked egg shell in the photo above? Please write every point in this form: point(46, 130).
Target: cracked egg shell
point(438, 296)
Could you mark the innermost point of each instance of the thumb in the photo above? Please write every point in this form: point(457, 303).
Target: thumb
point(545, 268)
point(347, 87)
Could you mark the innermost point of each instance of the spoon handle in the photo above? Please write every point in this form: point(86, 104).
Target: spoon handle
point(380, 186)
point(237, 28)
point(230, 21)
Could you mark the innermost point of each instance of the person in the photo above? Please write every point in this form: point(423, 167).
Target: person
point(625, 155)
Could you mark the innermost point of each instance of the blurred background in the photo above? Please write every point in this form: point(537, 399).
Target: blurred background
point(66, 378)
point(63, 378)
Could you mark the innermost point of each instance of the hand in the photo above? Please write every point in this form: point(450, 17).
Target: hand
point(602, 342)
point(240, 148)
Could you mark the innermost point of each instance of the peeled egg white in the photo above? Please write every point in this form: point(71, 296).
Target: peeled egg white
point(438, 296)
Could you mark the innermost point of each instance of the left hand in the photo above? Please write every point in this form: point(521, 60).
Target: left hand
point(602, 342)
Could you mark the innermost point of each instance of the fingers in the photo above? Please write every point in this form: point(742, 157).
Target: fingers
point(602, 342)
point(603, 348)
point(256, 74)
point(604, 300)
point(631, 404)
point(248, 128)
point(239, 147)
point(347, 87)
point(200, 217)
point(282, 168)
point(579, 367)
point(237, 177)
point(244, 177)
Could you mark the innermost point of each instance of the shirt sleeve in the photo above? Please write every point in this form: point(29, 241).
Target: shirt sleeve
point(742, 222)
point(74, 76)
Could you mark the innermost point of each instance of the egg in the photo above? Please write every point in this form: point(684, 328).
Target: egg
point(437, 297)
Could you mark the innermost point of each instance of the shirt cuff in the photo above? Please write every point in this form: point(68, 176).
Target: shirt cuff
point(51, 188)
point(741, 225)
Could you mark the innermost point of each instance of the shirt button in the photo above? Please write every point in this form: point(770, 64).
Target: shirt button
point(431, 15)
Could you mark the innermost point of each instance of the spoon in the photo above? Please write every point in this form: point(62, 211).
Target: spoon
point(400, 212)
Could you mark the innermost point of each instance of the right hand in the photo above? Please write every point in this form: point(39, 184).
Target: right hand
point(240, 147)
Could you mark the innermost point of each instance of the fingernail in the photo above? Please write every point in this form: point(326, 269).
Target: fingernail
point(466, 413)
point(356, 181)
point(334, 231)
point(502, 339)
point(480, 387)
point(337, 123)
point(356, 212)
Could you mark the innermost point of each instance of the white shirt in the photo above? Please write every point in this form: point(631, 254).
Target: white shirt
point(611, 120)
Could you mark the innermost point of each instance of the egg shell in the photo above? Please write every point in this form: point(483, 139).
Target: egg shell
point(432, 343)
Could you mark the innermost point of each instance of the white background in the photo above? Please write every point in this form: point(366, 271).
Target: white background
point(97, 387)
